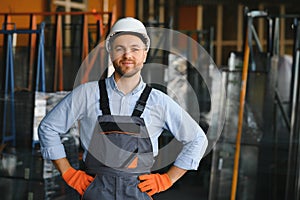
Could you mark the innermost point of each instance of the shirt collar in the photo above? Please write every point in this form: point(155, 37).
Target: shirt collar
point(138, 88)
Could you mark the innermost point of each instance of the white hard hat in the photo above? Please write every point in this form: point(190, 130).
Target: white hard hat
point(130, 25)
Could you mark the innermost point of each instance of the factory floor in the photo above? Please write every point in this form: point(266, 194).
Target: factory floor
point(25, 175)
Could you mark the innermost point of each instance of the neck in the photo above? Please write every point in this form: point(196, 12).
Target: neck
point(127, 84)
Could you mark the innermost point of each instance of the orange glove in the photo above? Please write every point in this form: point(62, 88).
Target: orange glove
point(154, 183)
point(77, 179)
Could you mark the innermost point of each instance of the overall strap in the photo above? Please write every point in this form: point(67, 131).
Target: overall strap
point(141, 103)
point(104, 103)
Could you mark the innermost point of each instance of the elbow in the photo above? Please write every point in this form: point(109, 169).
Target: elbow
point(205, 142)
point(40, 133)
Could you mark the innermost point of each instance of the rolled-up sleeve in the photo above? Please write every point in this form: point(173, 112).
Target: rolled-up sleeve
point(51, 146)
point(191, 154)
point(57, 122)
point(186, 130)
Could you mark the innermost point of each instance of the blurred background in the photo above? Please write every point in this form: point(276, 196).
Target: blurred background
point(255, 141)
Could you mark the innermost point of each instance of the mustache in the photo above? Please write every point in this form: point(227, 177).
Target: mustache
point(127, 60)
point(124, 59)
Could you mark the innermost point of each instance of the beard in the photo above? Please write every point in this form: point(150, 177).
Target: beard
point(126, 72)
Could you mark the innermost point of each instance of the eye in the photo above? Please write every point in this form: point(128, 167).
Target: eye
point(135, 49)
point(119, 49)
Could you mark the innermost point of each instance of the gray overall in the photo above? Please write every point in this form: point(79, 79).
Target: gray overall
point(118, 153)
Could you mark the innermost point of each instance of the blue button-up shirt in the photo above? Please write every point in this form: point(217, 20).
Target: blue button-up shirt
point(161, 112)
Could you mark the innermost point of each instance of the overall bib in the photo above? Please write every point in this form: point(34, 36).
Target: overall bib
point(119, 152)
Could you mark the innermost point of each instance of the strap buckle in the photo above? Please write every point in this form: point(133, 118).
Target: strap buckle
point(140, 105)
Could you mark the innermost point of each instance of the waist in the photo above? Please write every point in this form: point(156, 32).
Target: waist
point(104, 170)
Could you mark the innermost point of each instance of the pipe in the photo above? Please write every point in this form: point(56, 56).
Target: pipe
point(289, 188)
point(241, 113)
point(297, 184)
point(283, 112)
point(293, 137)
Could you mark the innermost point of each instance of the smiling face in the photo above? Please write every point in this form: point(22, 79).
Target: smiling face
point(128, 54)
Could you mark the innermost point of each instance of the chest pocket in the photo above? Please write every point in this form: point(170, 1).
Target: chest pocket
point(122, 142)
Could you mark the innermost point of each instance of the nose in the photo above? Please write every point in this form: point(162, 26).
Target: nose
point(127, 53)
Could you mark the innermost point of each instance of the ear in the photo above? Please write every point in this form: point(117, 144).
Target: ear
point(145, 56)
point(111, 55)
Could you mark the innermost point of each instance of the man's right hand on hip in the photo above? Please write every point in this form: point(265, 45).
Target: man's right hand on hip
point(77, 179)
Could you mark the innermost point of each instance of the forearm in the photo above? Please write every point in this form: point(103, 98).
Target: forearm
point(62, 165)
point(175, 173)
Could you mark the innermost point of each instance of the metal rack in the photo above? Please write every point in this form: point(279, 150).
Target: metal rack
point(9, 97)
point(272, 155)
point(29, 52)
point(293, 167)
point(89, 28)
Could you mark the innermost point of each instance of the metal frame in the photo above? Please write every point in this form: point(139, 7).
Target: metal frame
point(9, 76)
point(102, 28)
point(293, 173)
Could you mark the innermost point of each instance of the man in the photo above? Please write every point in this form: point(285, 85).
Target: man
point(121, 119)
